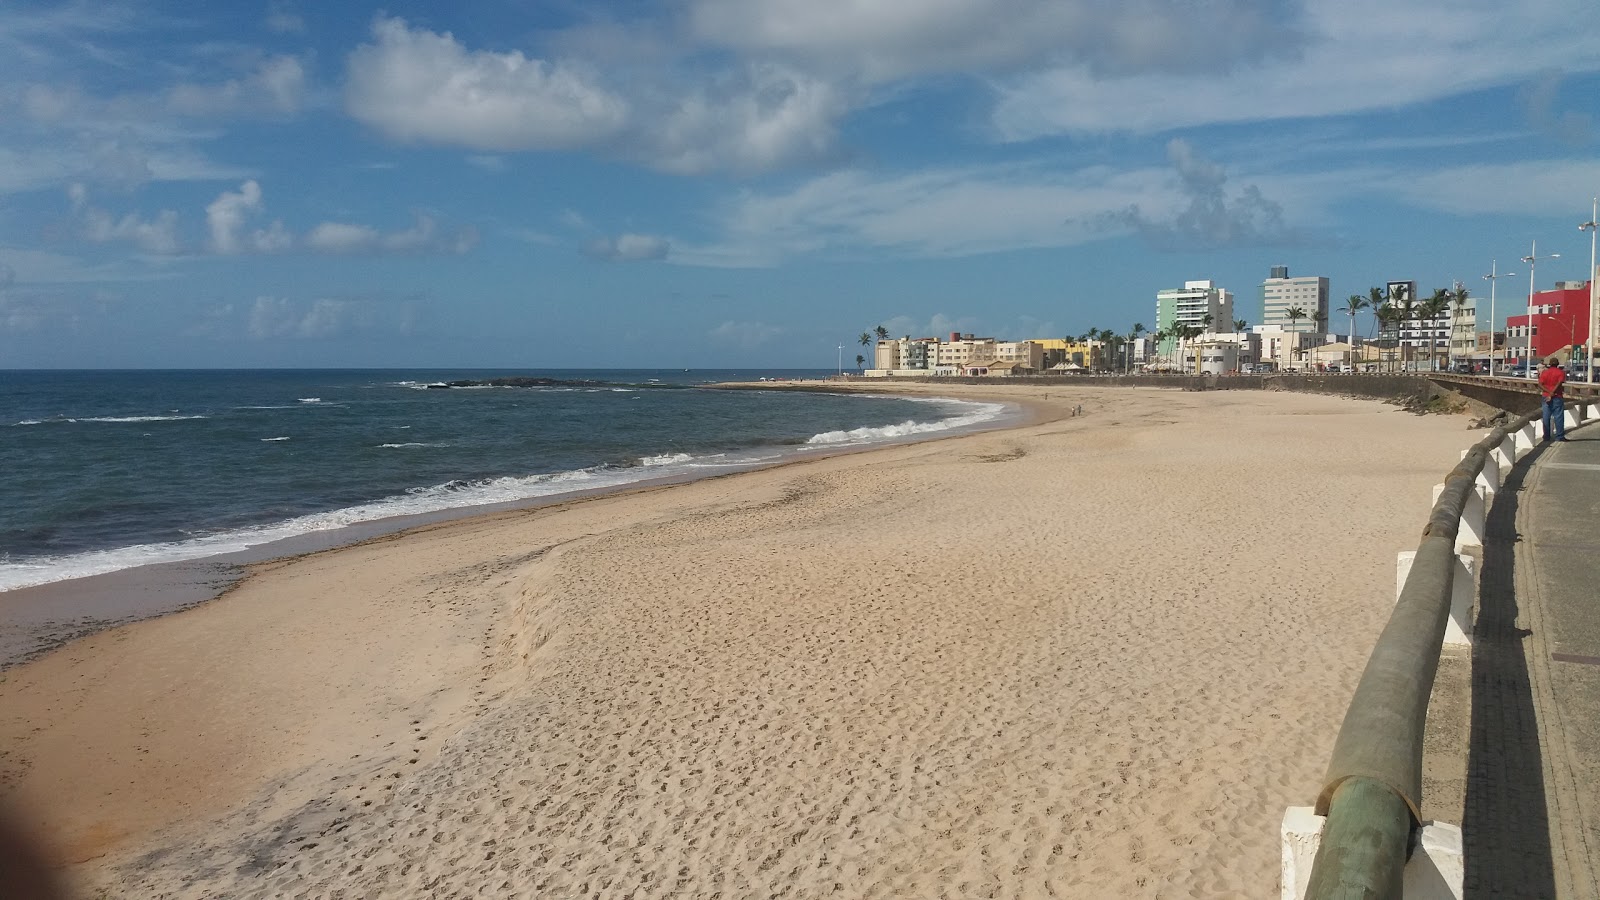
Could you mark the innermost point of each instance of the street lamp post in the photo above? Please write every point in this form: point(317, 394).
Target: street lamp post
point(1594, 321)
point(1491, 277)
point(1531, 259)
point(841, 360)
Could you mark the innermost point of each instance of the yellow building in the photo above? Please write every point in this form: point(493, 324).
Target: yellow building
point(1059, 352)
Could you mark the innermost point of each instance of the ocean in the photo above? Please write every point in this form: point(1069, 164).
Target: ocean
point(102, 471)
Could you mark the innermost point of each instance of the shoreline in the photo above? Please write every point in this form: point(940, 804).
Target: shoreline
point(357, 692)
point(42, 618)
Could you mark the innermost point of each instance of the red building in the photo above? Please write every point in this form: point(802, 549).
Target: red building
point(1560, 319)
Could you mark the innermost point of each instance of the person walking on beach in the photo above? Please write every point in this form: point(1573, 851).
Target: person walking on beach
point(1551, 382)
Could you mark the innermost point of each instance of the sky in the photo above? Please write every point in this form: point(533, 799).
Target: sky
point(754, 183)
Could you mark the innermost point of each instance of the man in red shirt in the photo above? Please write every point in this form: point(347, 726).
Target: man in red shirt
point(1550, 386)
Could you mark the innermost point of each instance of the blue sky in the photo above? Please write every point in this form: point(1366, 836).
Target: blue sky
point(733, 183)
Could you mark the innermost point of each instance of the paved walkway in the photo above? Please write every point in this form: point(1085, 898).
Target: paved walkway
point(1532, 815)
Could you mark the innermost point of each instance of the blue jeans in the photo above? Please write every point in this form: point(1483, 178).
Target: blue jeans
point(1554, 412)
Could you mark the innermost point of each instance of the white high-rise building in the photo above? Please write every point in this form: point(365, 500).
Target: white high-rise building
point(1280, 293)
point(1191, 305)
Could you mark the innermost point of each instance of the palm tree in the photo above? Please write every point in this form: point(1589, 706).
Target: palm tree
point(1240, 325)
point(881, 332)
point(1406, 305)
point(1294, 314)
point(861, 363)
point(1133, 335)
point(1375, 302)
point(1430, 310)
point(1387, 318)
point(1355, 304)
point(1459, 295)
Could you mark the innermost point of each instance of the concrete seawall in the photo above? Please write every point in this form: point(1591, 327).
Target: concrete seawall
point(1409, 390)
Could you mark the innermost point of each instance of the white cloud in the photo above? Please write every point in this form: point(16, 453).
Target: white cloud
point(628, 248)
point(764, 117)
point(887, 39)
point(932, 213)
point(282, 19)
point(226, 217)
point(158, 235)
point(416, 85)
point(276, 86)
point(748, 335)
point(1213, 216)
point(280, 317)
point(940, 325)
point(746, 116)
point(422, 237)
point(1361, 55)
point(1546, 188)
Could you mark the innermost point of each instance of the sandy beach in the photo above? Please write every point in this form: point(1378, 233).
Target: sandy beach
point(1092, 656)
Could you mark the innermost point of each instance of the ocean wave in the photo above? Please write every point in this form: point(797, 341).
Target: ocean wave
point(466, 494)
point(413, 444)
point(458, 494)
point(978, 414)
point(70, 420)
point(665, 459)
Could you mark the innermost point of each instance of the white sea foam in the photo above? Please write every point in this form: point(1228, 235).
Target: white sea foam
point(109, 419)
point(413, 444)
point(310, 399)
point(665, 459)
point(974, 413)
point(417, 501)
point(461, 495)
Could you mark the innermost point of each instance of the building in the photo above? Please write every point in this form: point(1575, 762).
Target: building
point(1308, 293)
point(1281, 348)
point(910, 356)
point(1425, 343)
point(1198, 304)
point(1069, 354)
point(907, 353)
point(1464, 329)
point(1555, 322)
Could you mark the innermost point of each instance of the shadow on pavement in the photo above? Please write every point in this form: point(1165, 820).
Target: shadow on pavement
point(1505, 827)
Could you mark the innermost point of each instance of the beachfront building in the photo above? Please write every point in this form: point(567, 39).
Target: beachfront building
point(1068, 354)
point(907, 353)
point(1557, 320)
point(1029, 354)
point(1199, 304)
point(1284, 349)
point(1307, 293)
point(964, 349)
point(1425, 342)
point(1491, 347)
point(910, 356)
point(1464, 329)
point(1340, 356)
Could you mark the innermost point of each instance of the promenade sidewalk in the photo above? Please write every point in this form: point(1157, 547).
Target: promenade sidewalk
point(1532, 807)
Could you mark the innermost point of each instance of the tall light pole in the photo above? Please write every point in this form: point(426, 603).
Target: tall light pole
point(841, 360)
point(1588, 345)
point(1491, 279)
point(1532, 258)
